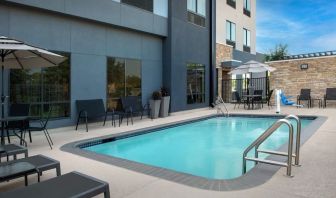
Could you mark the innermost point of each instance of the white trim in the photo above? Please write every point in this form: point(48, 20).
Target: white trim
point(300, 59)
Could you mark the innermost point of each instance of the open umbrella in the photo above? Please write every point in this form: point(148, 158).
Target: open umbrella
point(15, 54)
point(252, 67)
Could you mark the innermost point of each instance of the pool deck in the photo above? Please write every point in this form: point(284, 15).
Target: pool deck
point(315, 178)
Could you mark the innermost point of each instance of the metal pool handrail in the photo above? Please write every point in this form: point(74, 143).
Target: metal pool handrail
point(298, 137)
point(262, 138)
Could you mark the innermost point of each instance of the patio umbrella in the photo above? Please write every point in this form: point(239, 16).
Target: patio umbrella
point(252, 67)
point(15, 54)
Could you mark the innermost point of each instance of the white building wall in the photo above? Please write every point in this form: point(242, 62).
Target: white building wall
point(226, 12)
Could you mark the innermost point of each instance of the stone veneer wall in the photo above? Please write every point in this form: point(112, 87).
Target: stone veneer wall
point(223, 52)
point(321, 74)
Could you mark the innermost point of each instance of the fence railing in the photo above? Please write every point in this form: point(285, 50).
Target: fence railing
point(242, 85)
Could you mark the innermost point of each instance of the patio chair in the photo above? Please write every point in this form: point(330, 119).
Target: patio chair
point(26, 166)
point(18, 110)
point(267, 100)
point(91, 109)
point(8, 150)
point(238, 99)
point(132, 106)
point(73, 184)
point(305, 96)
point(42, 127)
point(330, 95)
point(258, 99)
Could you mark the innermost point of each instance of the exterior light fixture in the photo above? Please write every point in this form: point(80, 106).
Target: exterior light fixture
point(304, 66)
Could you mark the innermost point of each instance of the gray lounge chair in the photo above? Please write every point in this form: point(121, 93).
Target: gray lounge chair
point(27, 166)
point(8, 150)
point(72, 184)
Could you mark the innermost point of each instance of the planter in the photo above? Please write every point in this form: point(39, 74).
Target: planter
point(155, 108)
point(164, 110)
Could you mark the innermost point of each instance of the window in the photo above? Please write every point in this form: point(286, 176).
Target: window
point(247, 40)
point(231, 3)
point(123, 79)
point(197, 11)
point(247, 7)
point(143, 4)
point(195, 83)
point(231, 33)
point(43, 88)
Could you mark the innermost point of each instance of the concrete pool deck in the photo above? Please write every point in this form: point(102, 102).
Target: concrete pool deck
point(316, 177)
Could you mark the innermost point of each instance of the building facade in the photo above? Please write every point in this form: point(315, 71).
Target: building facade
point(115, 48)
point(235, 39)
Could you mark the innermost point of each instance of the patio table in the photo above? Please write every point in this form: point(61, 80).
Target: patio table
point(8, 119)
point(250, 99)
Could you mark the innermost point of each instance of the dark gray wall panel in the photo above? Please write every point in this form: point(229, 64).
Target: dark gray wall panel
point(136, 18)
point(40, 29)
point(4, 21)
point(96, 10)
point(151, 78)
point(124, 44)
point(88, 78)
point(151, 48)
point(88, 38)
point(106, 11)
point(55, 5)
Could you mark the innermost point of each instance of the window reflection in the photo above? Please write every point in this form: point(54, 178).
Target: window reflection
point(123, 79)
point(195, 83)
point(43, 88)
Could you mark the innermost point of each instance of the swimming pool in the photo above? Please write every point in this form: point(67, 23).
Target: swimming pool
point(211, 148)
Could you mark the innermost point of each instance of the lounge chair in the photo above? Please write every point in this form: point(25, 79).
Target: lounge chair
point(91, 109)
point(285, 101)
point(8, 150)
point(73, 184)
point(258, 99)
point(238, 100)
point(330, 95)
point(305, 96)
point(26, 166)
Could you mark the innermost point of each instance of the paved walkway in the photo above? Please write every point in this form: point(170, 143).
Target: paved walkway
point(316, 177)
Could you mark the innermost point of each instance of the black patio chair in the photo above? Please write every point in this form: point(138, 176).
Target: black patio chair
point(330, 95)
point(267, 100)
point(237, 99)
point(18, 110)
point(258, 99)
point(73, 184)
point(42, 127)
point(91, 109)
point(305, 96)
point(131, 106)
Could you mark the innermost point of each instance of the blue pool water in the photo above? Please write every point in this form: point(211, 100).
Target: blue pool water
point(209, 148)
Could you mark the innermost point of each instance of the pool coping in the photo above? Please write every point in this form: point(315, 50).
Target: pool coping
point(258, 175)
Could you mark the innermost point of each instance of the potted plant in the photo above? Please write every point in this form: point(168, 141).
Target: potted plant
point(155, 103)
point(165, 102)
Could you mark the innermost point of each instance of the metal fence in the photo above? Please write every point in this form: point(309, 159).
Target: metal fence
point(229, 86)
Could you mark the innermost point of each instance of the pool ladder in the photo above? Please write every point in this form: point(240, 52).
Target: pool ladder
point(218, 104)
point(289, 154)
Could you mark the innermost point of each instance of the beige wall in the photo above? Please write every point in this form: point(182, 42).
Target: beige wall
point(320, 75)
point(226, 12)
point(223, 52)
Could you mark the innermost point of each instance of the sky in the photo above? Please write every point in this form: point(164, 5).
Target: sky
point(304, 25)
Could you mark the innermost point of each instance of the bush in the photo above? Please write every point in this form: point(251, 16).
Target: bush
point(156, 95)
point(164, 92)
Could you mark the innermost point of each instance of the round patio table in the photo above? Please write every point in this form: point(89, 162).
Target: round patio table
point(250, 99)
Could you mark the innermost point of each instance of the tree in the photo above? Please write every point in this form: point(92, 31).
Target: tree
point(278, 53)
